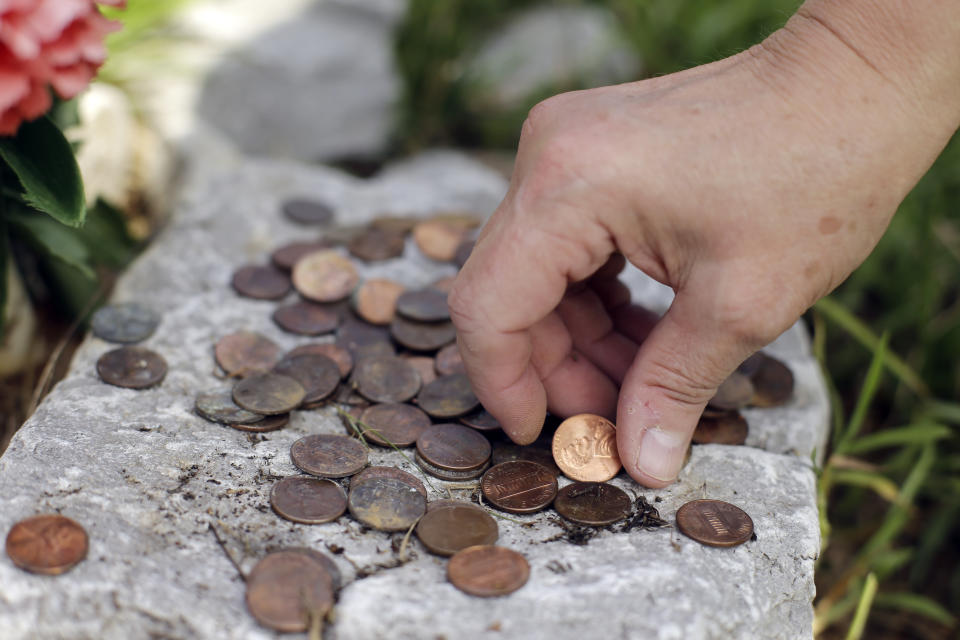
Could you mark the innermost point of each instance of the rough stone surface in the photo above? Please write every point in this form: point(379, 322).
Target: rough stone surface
point(155, 485)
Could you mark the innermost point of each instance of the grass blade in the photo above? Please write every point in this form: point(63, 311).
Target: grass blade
point(867, 393)
point(881, 485)
point(900, 436)
point(855, 632)
point(918, 604)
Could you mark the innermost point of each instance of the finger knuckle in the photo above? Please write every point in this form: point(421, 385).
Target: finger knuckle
point(680, 382)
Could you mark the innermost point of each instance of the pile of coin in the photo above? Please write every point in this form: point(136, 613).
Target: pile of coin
point(128, 366)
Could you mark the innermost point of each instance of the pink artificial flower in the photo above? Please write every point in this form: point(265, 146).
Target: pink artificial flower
point(47, 44)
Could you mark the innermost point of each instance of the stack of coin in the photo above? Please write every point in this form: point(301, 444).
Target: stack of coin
point(129, 367)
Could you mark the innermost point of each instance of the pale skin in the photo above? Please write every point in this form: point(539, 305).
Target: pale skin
point(752, 186)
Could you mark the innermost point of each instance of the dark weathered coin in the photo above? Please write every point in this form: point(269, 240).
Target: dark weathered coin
point(391, 472)
point(453, 447)
point(422, 336)
point(481, 420)
point(325, 276)
point(727, 428)
point(324, 561)
point(424, 365)
point(385, 504)
point(446, 530)
point(438, 239)
point(268, 393)
point(376, 300)
point(506, 451)
point(244, 352)
point(488, 571)
point(734, 393)
point(377, 243)
point(286, 256)
point(448, 397)
point(218, 406)
point(448, 360)
point(519, 486)
point(132, 367)
point(262, 282)
point(424, 305)
point(592, 503)
point(306, 318)
point(268, 423)
point(448, 474)
point(308, 500)
point(714, 523)
point(772, 382)
point(394, 424)
point(438, 504)
point(308, 211)
point(338, 354)
point(318, 375)
point(354, 335)
point(287, 589)
point(124, 323)
point(386, 379)
point(464, 249)
point(49, 544)
point(328, 455)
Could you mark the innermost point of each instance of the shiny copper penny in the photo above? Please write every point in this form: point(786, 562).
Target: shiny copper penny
point(267, 423)
point(727, 428)
point(448, 361)
point(394, 424)
point(125, 322)
point(132, 367)
point(49, 544)
point(422, 336)
point(286, 256)
point(308, 211)
point(506, 451)
point(482, 420)
point(488, 571)
point(318, 375)
point(306, 318)
point(385, 379)
point(328, 455)
point(390, 472)
point(325, 276)
point(519, 486)
point(592, 503)
point(268, 393)
point(385, 504)
point(356, 335)
point(714, 523)
point(424, 305)
point(288, 588)
point(464, 249)
point(448, 529)
point(308, 500)
point(453, 447)
point(734, 393)
point(438, 239)
point(448, 397)
point(425, 366)
point(772, 382)
point(244, 352)
point(218, 406)
point(262, 282)
point(336, 353)
point(585, 448)
point(377, 243)
point(376, 300)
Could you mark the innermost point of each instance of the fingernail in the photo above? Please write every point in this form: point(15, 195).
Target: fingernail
point(661, 454)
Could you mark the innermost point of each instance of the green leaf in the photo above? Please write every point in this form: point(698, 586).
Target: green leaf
point(912, 434)
point(105, 234)
point(52, 239)
point(43, 161)
point(867, 393)
point(916, 603)
point(855, 632)
point(881, 485)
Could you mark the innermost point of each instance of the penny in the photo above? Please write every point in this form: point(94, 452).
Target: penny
point(396, 224)
point(218, 406)
point(394, 424)
point(462, 219)
point(519, 486)
point(307, 211)
point(386, 379)
point(306, 318)
point(286, 256)
point(714, 523)
point(734, 393)
point(424, 305)
point(262, 282)
point(124, 323)
point(453, 447)
point(325, 276)
point(338, 354)
point(321, 558)
point(506, 451)
point(772, 382)
point(482, 420)
point(377, 243)
point(448, 361)
point(268, 423)
point(354, 335)
point(488, 571)
point(448, 529)
point(286, 589)
point(448, 397)
point(437, 504)
point(422, 336)
point(268, 393)
point(318, 375)
point(726, 428)
point(464, 249)
point(448, 474)
point(132, 367)
point(425, 366)
point(328, 456)
point(585, 448)
point(592, 503)
point(308, 500)
point(376, 300)
point(385, 504)
point(438, 239)
point(48, 544)
point(244, 352)
point(391, 472)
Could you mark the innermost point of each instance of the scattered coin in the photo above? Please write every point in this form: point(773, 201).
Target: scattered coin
point(448, 397)
point(448, 361)
point(396, 224)
point(306, 318)
point(268, 393)
point(268, 423)
point(773, 383)
point(391, 472)
point(394, 423)
point(218, 406)
point(244, 352)
point(386, 379)
point(338, 354)
point(48, 544)
point(318, 375)
point(288, 255)
point(355, 335)
point(506, 451)
point(714, 523)
point(376, 300)
point(448, 529)
point(132, 367)
point(727, 428)
point(385, 504)
point(585, 448)
point(482, 420)
point(424, 366)
point(328, 456)
point(519, 486)
point(462, 219)
point(124, 323)
point(592, 503)
point(422, 336)
point(286, 589)
point(437, 239)
point(264, 282)
point(377, 243)
point(488, 571)
point(464, 249)
point(735, 392)
point(424, 305)
point(305, 211)
point(452, 448)
point(308, 500)
point(325, 276)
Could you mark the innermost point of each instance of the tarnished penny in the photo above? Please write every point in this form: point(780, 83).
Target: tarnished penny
point(355, 336)
point(438, 239)
point(424, 305)
point(262, 282)
point(336, 353)
point(394, 423)
point(244, 352)
point(132, 367)
point(328, 455)
point(448, 361)
point(519, 486)
point(585, 448)
point(422, 336)
point(464, 249)
point(592, 503)
point(482, 420)
point(391, 472)
point(318, 375)
point(772, 382)
point(734, 393)
point(506, 451)
point(268, 393)
point(386, 379)
point(376, 300)
point(377, 243)
point(218, 406)
point(307, 211)
point(268, 423)
point(714, 523)
point(425, 366)
point(325, 276)
point(49, 544)
point(488, 571)
point(306, 318)
point(453, 447)
point(124, 323)
point(448, 397)
point(288, 588)
point(385, 504)
point(448, 529)
point(286, 256)
point(726, 428)
point(308, 500)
